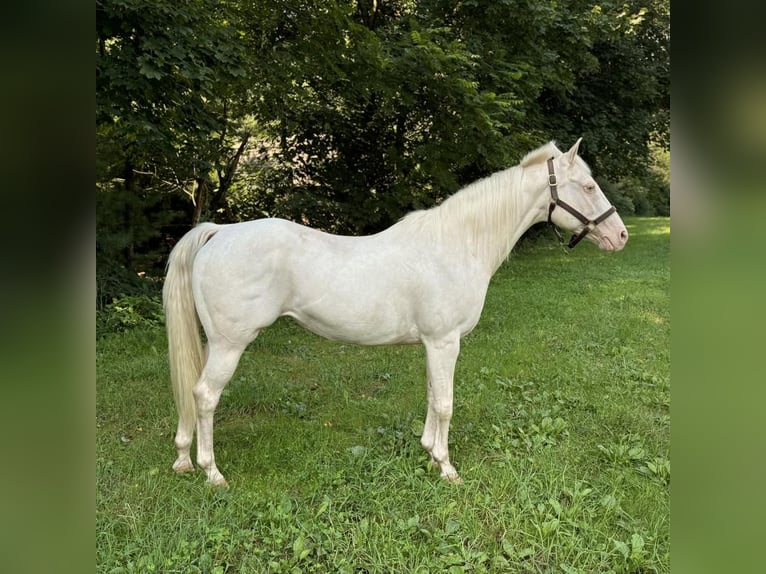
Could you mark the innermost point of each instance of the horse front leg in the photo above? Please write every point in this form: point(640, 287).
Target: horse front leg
point(441, 356)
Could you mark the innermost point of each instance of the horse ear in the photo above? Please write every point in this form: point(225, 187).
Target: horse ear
point(572, 153)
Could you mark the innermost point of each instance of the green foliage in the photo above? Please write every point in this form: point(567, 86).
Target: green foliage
point(646, 194)
point(561, 432)
point(132, 240)
point(346, 115)
point(619, 197)
point(162, 68)
point(129, 312)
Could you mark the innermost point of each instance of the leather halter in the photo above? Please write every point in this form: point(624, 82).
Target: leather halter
point(589, 224)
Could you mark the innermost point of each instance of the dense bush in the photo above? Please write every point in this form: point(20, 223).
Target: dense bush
point(128, 312)
point(647, 194)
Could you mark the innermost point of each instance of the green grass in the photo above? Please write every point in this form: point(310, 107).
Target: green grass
point(561, 433)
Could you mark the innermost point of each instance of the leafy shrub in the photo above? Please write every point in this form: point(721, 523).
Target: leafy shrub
point(620, 197)
point(129, 312)
point(647, 194)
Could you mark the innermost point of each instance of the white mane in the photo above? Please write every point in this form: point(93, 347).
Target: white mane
point(549, 150)
point(486, 216)
point(541, 154)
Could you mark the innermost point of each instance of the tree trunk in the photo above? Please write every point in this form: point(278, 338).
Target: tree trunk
point(368, 12)
point(131, 188)
point(226, 178)
point(200, 199)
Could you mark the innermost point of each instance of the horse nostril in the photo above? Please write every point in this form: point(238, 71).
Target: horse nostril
point(624, 235)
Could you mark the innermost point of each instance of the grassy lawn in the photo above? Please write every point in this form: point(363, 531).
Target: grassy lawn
point(561, 434)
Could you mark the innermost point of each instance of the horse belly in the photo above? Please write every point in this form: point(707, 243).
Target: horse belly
point(355, 316)
point(371, 292)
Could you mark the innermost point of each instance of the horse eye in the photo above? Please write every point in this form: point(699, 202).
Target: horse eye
point(589, 187)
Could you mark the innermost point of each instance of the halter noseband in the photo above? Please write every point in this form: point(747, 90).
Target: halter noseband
point(556, 202)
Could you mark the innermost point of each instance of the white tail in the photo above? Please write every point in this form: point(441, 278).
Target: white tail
point(182, 323)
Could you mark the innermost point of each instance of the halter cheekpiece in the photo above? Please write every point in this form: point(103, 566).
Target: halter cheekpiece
point(589, 224)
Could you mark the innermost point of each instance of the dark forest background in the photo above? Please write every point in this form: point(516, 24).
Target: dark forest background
point(345, 115)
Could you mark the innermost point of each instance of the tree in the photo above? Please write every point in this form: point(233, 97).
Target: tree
point(347, 114)
point(619, 99)
point(170, 114)
point(393, 105)
point(385, 113)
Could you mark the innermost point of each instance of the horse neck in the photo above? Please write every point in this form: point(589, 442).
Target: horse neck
point(488, 217)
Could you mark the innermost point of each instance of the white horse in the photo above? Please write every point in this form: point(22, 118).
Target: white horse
point(422, 280)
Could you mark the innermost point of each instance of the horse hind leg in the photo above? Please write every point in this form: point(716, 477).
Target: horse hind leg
point(441, 357)
point(222, 360)
point(185, 435)
point(183, 440)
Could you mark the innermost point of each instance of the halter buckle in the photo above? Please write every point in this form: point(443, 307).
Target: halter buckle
point(552, 180)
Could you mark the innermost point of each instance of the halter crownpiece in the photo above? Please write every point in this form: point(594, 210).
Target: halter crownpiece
point(589, 224)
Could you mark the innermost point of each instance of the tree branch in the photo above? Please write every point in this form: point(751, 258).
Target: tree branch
point(225, 179)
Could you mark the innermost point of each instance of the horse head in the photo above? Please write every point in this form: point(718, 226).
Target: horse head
point(577, 203)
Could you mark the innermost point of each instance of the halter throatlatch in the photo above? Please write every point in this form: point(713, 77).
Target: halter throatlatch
point(589, 224)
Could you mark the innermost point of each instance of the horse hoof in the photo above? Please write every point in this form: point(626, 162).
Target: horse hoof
point(183, 466)
point(453, 478)
point(221, 483)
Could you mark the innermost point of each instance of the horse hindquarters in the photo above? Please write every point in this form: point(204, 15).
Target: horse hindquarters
point(235, 299)
point(185, 352)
